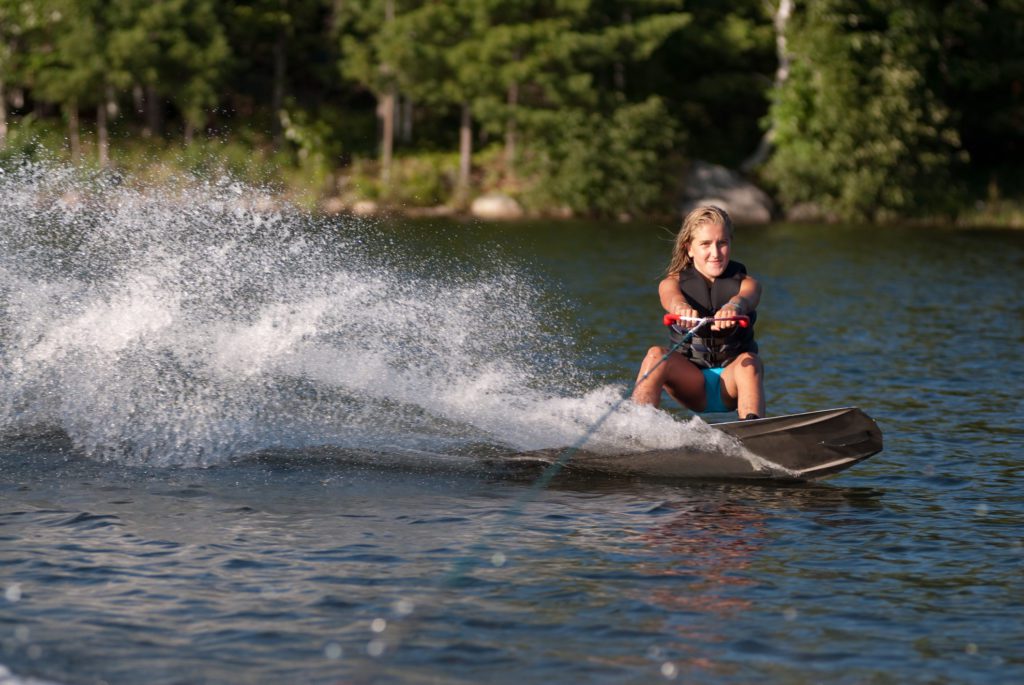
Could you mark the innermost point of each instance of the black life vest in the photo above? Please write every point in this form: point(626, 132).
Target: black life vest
point(711, 348)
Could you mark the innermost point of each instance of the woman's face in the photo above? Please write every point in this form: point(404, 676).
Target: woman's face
point(709, 250)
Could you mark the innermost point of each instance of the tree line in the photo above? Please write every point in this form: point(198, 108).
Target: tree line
point(863, 109)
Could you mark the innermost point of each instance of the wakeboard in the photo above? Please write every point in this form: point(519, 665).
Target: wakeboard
point(795, 447)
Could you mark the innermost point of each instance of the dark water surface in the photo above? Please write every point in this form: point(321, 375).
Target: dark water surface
point(218, 530)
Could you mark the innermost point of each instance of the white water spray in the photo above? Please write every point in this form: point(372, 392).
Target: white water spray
point(184, 326)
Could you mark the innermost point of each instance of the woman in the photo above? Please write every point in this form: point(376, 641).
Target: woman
point(718, 369)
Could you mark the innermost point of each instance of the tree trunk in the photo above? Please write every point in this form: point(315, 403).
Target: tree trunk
point(139, 104)
point(510, 129)
point(386, 112)
point(619, 68)
point(154, 111)
point(465, 153)
point(406, 128)
point(3, 116)
point(102, 139)
point(277, 96)
point(764, 147)
point(190, 131)
point(71, 111)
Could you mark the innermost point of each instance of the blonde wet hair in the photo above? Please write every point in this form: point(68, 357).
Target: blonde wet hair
point(701, 216)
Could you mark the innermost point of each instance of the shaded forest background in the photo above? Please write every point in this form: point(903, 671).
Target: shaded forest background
point(863, 110)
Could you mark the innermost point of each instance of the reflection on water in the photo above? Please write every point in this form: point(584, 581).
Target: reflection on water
point(715, 546)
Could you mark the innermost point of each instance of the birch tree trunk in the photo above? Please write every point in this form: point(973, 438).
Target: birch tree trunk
point(764, 147)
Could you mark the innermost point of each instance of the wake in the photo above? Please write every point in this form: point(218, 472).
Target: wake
point(188, 324)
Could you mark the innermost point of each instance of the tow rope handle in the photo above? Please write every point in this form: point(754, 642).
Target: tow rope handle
point(670, 319)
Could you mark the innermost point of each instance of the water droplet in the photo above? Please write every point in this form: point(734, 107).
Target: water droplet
point(656, 653)
point(34, 651)
point(498, 559)
point(13, 592)
point(971, 648)
point(375, 648)
point(669, 670)
point(981, 509)
point(378, 625)
point(332, 650)
point(790, 614)
point(403, 607)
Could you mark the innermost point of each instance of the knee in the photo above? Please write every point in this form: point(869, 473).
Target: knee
point(654, 354)
point(749, 364)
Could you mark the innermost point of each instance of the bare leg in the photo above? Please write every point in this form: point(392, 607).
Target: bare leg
point(676, 375)
point(743, 382)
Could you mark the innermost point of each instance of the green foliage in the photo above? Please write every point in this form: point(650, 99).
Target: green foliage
point(19, 21)
point(316, 149)
point(857, 127)
point(212, 158)
point(74, 70)
point(178, 46)
point(575, 102)
point(716, 75)
point(29, 140)
point(979, 74)
point(603, 166)
point(423, 180)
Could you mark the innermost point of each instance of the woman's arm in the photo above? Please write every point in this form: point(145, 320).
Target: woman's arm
point(743, 302)
point(749, 295)
point(672, 297)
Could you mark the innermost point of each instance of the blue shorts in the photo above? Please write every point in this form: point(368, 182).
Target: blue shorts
point(713, 390)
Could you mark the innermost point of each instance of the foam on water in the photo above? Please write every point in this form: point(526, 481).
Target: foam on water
point(183, 324)
point(8, 678)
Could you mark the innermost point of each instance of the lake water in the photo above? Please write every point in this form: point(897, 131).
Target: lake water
point(239, 446)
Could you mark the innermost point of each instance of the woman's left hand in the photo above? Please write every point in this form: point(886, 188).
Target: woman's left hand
point(726, 311)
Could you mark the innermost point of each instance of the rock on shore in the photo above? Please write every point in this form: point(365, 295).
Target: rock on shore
point(496, 206)
point(711, 184)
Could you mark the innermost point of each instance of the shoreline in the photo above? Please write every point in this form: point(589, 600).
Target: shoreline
point(285, 189)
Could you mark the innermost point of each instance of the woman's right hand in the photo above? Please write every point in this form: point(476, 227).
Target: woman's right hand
point(685, 310)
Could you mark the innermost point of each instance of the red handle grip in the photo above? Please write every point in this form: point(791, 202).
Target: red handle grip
point(742, 320)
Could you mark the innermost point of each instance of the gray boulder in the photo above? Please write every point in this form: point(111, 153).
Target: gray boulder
point(496, 207)
point(712, 184)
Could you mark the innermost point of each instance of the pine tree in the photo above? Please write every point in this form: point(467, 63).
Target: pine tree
point(595, 145)
point(374, 56)
point(177, 51)
point(72, 72)
point(18, 23)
